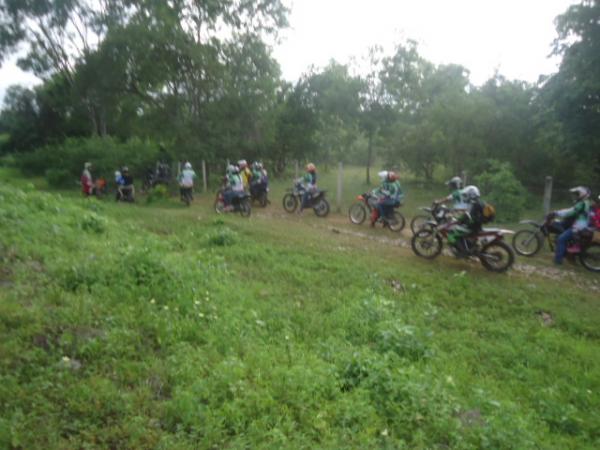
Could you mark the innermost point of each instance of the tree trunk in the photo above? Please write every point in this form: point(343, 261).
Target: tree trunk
point(369, 156)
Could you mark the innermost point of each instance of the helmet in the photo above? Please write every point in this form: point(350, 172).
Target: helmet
point(471, 193)
point(125, 169)
point(383, 175)
point(87, 165)
point(230, 168)
point(454, 183)
point(187, 165)
point(580, 193)
point(242, 163)
point(392, 176)
point(310, 167)
point(257, 165)
point(117, 174)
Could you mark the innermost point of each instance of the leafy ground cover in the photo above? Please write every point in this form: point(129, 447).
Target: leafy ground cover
point(157, 326)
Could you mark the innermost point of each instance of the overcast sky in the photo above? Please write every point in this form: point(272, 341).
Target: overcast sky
point(513, 37)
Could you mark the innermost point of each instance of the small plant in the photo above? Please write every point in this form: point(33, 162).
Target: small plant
point(160, 192)
point(92, 222)
point(222, 237)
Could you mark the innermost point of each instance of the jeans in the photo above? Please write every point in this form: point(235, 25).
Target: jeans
point(386, 207)
point(561, 245)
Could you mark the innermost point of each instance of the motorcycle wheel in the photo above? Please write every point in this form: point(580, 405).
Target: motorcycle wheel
point(426, 244)
point(263, 200)
point(245, 208)
point(418, 222)
point(219, 206)
point(398, 223)
point(357, 213)
point(590, 257)
point(187, 199)
point(290, 203)
point(497, 256)
point(527, 242)
point(321, 208)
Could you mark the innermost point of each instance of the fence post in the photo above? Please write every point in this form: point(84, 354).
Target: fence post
point(204, 180)
point(296, 169)
point(547, 194)
point(339, 186)
point(464, 177)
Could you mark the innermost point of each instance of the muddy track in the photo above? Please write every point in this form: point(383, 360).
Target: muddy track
point(338, 224)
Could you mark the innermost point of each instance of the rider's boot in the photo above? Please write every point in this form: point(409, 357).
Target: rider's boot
point(374, 216)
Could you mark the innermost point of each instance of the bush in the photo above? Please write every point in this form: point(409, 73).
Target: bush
point(501, 188)
point(160, 192)
point(60, 178)
point(105, 154)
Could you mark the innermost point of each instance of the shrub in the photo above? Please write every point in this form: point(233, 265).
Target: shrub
point(222, 237)
point(501, 188)
point(160, 192)
point(60, 178)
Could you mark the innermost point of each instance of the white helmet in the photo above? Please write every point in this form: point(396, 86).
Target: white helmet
point(230, 168)
point(471, 193)
point(383, 175)
point(454, 183)
point(187, 165)
point(580, 193)
point(242, 163)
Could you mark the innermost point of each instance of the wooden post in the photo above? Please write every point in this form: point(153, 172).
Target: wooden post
point(339, 187)
point(464, 177)
point(296, 169)
point(204, 180)
point(547, 194)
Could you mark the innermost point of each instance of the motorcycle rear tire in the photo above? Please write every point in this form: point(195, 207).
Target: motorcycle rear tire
point(321, 208)
point(398, 224)
point(505, 263)
point(590, 257)
point(245, 208)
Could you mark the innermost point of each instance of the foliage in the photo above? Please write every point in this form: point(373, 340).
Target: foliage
point(58, 162)
point(145, 335)
point(500, 187)
point(158, 193)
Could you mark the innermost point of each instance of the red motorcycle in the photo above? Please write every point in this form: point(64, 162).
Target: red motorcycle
point(488, 245)
point(365, 205)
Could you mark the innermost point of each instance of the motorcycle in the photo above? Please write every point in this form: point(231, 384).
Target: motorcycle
point(488, 245)
point(293, 199)
point(359, 211)
point(438, 212)
point(585, 246)
point(125, 195)
point(260, 193)
point(186, 195)
point(239, 203)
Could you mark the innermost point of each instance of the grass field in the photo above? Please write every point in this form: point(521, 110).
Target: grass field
point(159, 326)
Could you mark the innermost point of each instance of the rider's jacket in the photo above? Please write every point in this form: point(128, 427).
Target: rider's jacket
point(245, 175)
point(234, 182)
point(186, 178)
point(579, 212)
point(390, 189)
point(457, 199)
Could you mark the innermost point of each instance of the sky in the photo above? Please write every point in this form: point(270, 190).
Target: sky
point(512, 37)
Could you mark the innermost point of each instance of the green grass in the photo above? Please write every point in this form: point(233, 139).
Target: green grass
point(159, 326)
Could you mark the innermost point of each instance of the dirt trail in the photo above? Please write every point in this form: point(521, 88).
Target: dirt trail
point(339, 224)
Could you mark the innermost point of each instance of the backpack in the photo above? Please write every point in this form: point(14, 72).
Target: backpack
point(489, 212)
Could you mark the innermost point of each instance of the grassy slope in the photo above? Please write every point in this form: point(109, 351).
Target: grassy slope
point(161, 327)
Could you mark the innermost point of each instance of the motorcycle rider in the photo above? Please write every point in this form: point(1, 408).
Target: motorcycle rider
point(127, 187)
point(245, 173)
point(309, 185)
point(389, 194)
point(186, 180)
point(456, 195)
point(259, 178)
point(575, 220)
point(234, 186)
point(87, 184)
point(595, 215)
point(470, 222)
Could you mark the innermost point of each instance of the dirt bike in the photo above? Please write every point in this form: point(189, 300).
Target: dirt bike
point(438, 212)
point(585, 246)
point(239, 203)
point(488, 245)
point(260, 193)
point(293, 199)
point(363, 208)
point(125, 195)
point(186, 195)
